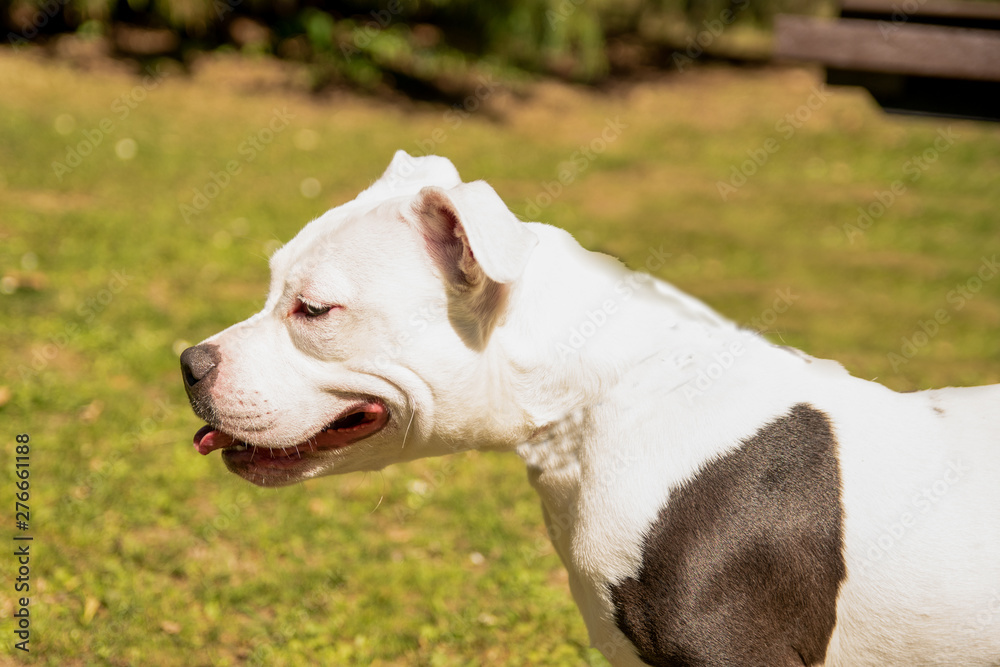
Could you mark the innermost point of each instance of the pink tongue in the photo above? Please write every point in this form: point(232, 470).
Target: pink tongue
point(207, 440)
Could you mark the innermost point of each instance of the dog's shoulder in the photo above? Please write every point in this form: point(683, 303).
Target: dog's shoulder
point(751, 546)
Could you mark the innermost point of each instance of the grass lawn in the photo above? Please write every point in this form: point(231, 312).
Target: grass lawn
point(137, 215)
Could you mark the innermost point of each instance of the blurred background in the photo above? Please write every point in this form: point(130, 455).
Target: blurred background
point(422, 48)
point(153, 154)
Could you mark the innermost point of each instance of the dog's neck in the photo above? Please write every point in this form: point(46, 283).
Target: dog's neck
point(591, 351)
point(538, 372)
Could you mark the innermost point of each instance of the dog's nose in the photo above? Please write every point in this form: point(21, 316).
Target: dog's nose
point(197, 362)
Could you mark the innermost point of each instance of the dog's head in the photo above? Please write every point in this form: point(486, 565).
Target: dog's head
point(375, 330)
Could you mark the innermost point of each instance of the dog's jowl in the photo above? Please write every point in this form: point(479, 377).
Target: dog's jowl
point(717, 500)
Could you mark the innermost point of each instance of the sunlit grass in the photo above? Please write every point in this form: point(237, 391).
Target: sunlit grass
point(146, 553)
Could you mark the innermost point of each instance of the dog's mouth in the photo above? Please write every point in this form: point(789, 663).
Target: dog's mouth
point(356, 423)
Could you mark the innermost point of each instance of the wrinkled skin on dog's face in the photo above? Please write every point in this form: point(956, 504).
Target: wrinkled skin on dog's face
point(368, 343)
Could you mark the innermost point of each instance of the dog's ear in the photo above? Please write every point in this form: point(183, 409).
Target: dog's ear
point(471, 233)
point(407, 173)
point(480, 248)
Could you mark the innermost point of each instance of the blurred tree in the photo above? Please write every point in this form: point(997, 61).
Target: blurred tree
point(427, 48)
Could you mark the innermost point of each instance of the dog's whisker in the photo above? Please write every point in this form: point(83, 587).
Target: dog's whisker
point(382, 496)
point(407, 431)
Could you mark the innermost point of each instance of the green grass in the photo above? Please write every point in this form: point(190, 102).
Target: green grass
point(146, 553)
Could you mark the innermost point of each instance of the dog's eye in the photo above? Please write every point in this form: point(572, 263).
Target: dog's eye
point(311, 309)
point(315, 311)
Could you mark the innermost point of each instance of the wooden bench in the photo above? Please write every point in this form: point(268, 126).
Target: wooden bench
point(938, 57)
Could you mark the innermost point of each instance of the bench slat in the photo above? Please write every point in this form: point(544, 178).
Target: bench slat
point(880, 46)
point(941, 8)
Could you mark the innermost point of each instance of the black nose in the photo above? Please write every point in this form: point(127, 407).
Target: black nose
point(197, 362)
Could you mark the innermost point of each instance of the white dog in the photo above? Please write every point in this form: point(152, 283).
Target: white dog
point(717, 500)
